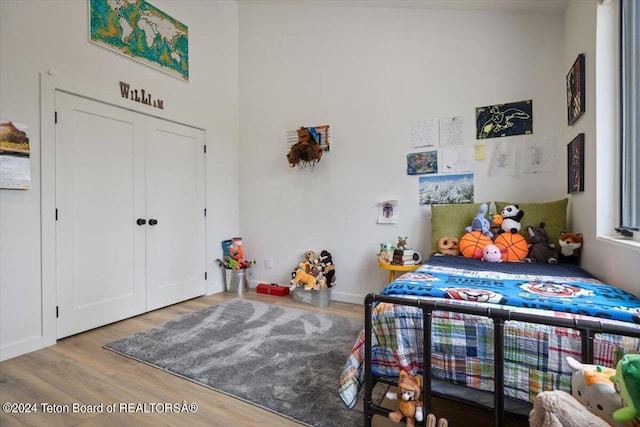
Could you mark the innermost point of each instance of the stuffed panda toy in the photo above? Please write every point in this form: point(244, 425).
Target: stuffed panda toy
point(511, 217)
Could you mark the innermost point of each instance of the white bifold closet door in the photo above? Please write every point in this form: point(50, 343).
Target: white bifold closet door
point(130, 231)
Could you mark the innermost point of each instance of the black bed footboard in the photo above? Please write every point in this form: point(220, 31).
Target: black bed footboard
point(587, 328)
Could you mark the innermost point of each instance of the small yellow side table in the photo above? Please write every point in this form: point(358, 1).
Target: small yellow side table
point(393, 268)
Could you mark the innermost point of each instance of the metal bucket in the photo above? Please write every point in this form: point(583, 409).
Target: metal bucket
point(235, 281)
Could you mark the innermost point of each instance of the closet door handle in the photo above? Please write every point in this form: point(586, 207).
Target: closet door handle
point(141, 221)
point(153, 221)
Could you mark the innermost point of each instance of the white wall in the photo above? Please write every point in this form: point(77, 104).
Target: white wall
point(595, 212)
point(370, 73)
point(39, 35)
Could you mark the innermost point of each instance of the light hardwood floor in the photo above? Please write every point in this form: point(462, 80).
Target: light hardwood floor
point(79, 370)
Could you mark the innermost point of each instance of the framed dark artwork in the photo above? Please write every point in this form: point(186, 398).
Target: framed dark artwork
point(575, 90)
point(514, 118)
point(575, 164)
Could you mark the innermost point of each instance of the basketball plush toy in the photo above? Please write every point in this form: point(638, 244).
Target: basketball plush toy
point(513, 246)
point(472, 244)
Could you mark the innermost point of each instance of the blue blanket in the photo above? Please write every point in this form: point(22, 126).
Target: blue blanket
point(560, 287)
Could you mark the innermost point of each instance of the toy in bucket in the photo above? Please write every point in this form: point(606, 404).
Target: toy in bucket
point(235, 266)
point(313, 278)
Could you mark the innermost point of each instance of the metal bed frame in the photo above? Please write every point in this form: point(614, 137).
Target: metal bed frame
point(587, 328)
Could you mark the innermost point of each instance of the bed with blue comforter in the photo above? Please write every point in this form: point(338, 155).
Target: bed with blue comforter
point(462, 345)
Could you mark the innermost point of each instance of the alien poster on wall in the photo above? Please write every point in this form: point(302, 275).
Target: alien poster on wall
point(514, 118)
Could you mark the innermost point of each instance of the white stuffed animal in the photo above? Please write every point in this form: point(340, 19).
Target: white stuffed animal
point(511, 217)
point(591, 385)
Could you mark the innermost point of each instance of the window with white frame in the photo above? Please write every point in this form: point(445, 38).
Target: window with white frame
point(630, 116)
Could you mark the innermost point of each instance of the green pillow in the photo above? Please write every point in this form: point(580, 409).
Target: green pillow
point(553, 214)
point(450, 221)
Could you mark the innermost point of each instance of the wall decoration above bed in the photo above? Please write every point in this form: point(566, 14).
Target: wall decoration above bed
point(575, 90)
point(445, 189)
point(514, 118)
point(424, 133)
point(421, 163)
point(575, 164)
point(537, 155)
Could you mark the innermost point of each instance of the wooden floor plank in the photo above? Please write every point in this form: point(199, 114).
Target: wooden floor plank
point(79, 370)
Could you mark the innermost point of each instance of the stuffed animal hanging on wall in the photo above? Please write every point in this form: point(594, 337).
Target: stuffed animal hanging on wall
point(307, 151)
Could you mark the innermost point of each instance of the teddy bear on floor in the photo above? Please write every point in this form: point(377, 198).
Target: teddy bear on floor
point(408, 395)
point(540, 247)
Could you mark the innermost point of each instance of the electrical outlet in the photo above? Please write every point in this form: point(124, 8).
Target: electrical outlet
point(268, 263)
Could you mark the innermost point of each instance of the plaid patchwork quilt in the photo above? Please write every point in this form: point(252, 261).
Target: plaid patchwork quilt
point(462, 348)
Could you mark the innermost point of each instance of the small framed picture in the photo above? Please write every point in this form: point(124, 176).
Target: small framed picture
point(575, 90)
point(575, 164)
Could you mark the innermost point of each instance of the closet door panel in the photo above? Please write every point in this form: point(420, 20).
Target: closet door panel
point(99, 195)
point(175, 199)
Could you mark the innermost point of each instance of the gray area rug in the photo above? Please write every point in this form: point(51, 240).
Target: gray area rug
point(282, 359)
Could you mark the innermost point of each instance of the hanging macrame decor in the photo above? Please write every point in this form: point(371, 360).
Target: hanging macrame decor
point(307, 146)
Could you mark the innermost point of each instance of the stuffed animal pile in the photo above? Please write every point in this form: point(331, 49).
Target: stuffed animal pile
point(600, 397)
point(478, 241)
point(314, 272)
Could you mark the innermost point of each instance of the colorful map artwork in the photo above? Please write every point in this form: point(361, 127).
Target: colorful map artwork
point(142, 32)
